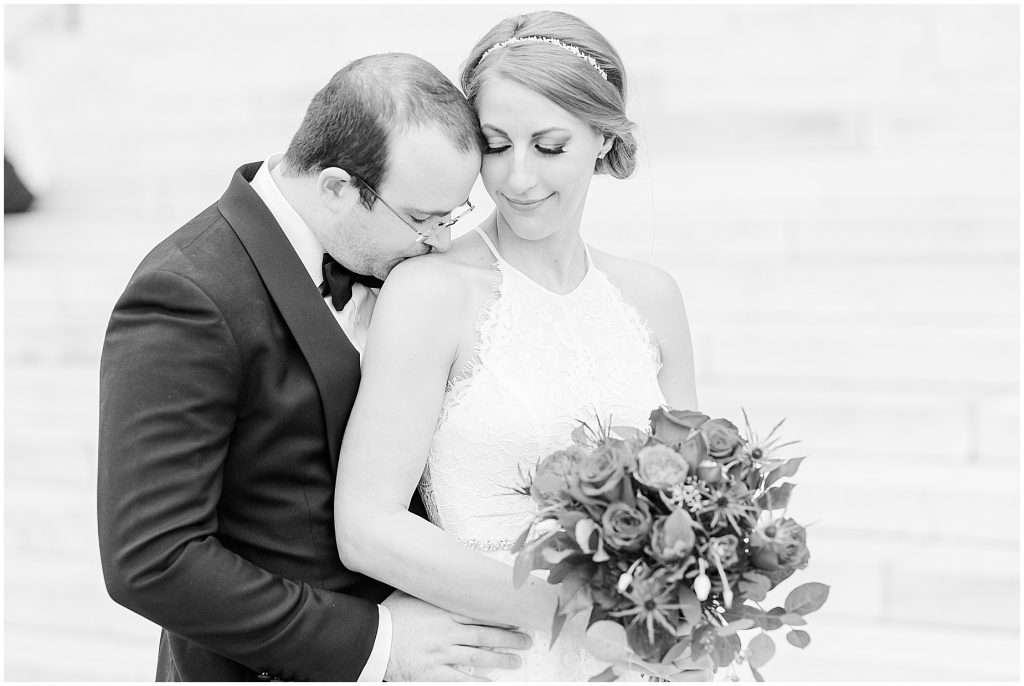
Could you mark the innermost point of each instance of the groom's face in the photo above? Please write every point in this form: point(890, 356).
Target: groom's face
point(428, 177)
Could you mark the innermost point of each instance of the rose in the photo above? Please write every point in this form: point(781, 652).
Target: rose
point(556, 475)
point(694, 451)
point(672, 537)
point(659, 466)
point(722, 436)
point(626, 527)
point(673, 426)
point(779, 547)
point(601, 472)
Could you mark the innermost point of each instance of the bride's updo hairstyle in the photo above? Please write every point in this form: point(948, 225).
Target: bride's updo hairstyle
point(564, 59)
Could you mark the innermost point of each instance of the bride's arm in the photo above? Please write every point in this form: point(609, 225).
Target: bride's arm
point(659, 301)
point(417, 322)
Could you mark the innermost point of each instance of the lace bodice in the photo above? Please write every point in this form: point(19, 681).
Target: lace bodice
point(543, 362)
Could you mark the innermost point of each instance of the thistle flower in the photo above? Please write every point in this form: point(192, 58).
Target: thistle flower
point(730, 503)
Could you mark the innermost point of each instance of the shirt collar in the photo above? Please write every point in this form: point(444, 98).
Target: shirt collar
point(302, 238)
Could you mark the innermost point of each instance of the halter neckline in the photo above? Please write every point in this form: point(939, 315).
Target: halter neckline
point(504, 264)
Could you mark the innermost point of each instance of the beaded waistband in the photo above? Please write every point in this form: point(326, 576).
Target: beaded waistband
point(485, 545)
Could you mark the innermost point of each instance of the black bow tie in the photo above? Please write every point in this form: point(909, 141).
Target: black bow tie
point(338, 282)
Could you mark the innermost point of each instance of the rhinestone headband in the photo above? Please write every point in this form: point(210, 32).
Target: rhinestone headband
point(553, 41)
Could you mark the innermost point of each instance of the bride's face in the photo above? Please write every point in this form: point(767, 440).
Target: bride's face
point(539, 159)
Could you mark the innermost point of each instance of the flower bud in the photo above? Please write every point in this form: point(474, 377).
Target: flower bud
point(702, 587)
point(709, 471)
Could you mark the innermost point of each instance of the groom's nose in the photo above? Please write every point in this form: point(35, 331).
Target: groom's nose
point(440, 241)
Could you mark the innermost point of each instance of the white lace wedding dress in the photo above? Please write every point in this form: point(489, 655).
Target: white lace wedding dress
point(544, 362)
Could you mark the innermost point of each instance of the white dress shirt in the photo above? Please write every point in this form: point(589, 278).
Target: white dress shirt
point(354, 319)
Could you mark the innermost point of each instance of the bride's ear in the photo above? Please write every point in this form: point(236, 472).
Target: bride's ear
point(609, 141)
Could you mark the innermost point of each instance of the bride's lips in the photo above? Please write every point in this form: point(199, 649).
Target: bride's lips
point(525, 205)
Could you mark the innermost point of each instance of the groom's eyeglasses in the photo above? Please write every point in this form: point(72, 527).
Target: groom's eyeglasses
point(424, 233)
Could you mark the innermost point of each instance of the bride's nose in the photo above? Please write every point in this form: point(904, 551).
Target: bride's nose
point(521, 175)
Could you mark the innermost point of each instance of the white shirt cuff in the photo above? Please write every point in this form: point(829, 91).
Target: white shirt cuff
point(377, 663)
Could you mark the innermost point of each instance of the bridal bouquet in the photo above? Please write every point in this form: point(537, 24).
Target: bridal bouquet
point(670, 537)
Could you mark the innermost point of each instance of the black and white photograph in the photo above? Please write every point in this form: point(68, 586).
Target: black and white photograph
point(512, 342)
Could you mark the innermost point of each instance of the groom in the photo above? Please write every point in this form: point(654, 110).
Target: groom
point(226, 381)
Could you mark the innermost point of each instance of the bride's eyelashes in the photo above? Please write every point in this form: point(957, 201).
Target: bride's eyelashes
point(498, 149)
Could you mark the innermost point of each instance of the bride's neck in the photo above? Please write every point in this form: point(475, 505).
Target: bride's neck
point(558, 262)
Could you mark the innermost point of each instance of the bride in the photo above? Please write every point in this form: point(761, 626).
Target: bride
point(480, 360)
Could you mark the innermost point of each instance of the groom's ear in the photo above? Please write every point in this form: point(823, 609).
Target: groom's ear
point(334, 186)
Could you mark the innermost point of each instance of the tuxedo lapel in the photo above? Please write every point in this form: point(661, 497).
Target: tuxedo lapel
point(329, 353)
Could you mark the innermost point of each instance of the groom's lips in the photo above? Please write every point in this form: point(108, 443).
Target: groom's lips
point(525, 205)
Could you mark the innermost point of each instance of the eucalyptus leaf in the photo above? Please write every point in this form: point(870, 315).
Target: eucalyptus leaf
point(556, 624)
point(725, 649)
point(690, 604)
point(793, 619)
point(806, 598)
point(606, 640)
point(676, 651)
point(566, 566)
point(702, 641)
point(521, 540)
point(788, 468)
point(775, 498)
point(755, 586)
point(629, 433)
point(576, 579)
point(799, 638)
point(527, 559)
point(732, 627)
point(606, 675)
point(761, 649)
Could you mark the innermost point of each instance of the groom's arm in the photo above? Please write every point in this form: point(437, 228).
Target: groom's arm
point(169, 385)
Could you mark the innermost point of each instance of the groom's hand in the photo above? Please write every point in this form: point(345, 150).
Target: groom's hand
point(427, 642)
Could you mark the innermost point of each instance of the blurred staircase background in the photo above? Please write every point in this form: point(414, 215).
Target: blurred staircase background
point(835, 189)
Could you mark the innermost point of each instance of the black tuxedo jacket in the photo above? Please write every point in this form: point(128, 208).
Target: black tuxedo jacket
point(225, 386)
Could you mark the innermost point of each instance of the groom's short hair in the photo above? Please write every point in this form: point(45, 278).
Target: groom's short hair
point(350, 121)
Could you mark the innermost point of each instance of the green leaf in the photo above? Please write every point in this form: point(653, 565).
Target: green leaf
point(528, 559)
point(606, 640)
point(630, 433)
point(575, 580)
point(806, 598)
point(702, 641)
point(793, 619)
point(566, 566)
point(676, 651)
point(788, 468)
point(732, 627)
point(521, 540)
point(556, 625)
point(606, 675)
point(690, 604)
point(725, 649)
point(761, 649)
point(775, 498)
point(799, 638)
point(757, 674)
point(755, 586)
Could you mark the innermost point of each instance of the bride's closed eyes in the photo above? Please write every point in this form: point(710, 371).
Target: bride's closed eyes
point(493, 149)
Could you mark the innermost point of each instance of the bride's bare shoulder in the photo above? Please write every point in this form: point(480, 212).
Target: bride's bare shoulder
point(454, 275)
point(642, 284)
